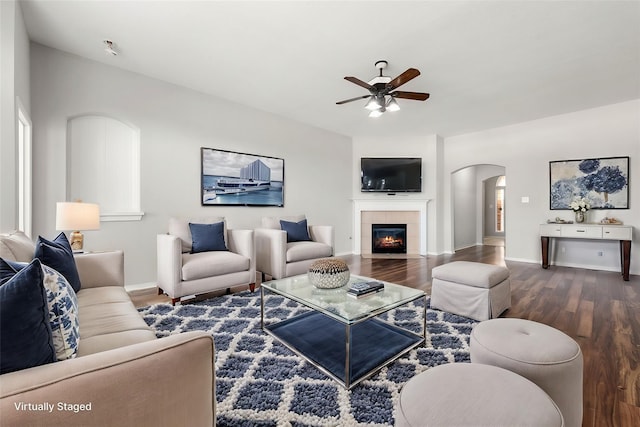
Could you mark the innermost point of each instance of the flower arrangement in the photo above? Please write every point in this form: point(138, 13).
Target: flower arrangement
point(580, 205)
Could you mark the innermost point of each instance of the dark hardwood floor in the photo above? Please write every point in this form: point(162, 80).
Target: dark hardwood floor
point(596, 308)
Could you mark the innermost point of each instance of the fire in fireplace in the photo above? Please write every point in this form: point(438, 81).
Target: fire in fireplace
point(389, 238)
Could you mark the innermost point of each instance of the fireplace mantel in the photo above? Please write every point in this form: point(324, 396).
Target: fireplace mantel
point(364, 205)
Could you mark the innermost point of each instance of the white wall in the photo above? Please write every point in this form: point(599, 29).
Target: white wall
point(14, 82)
point(465, 209)
point(525, 150)
point(174, 123)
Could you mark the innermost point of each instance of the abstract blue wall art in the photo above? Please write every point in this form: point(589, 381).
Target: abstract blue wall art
point(604, 182)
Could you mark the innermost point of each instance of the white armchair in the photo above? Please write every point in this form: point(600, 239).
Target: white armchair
point(185, 270)
point(278, 258)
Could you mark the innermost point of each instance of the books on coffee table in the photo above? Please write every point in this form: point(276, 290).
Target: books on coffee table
point(361, 289)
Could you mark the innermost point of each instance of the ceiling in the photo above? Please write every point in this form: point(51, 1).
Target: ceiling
point(485, 63)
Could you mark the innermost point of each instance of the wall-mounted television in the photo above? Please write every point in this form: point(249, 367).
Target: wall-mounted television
point(231, 179)
point(391, 174)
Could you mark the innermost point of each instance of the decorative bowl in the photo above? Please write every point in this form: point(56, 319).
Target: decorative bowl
point(328, 273)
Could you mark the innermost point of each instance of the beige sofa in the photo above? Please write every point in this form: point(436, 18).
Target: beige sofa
point(122, 374)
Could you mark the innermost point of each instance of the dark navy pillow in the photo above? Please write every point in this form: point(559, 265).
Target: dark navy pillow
point(296, 231)
point(207, 237)
point(8, 269)
point(59, 256)
point(25, 332)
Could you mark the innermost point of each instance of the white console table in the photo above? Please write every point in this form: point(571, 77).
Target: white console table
point(622, 233)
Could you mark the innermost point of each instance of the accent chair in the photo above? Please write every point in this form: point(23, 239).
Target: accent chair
point(201, 255)
point(287, 246)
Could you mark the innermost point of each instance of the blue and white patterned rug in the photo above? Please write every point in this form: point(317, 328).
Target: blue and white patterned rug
point(260, 382)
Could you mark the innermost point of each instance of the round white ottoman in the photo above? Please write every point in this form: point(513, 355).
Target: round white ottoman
point(544, 355)
point(466, 394)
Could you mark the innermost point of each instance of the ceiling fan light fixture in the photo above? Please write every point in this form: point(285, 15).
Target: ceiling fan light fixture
point(373, 104)
point(382, 86)
point(393, 105)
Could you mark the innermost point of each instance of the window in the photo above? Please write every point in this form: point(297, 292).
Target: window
point(24, 169)
point(500, 185)
point(104, 166)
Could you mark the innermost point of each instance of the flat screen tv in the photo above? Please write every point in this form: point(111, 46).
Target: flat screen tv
point(231, 179)
point(391, 174)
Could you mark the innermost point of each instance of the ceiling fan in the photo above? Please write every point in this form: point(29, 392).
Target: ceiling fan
point(381, 87)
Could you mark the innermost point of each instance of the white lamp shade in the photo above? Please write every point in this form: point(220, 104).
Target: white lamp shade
point(373, 104)
point(392, 105)
point(77, 216)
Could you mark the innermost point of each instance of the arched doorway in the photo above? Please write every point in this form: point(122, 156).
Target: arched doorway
point(470, 204)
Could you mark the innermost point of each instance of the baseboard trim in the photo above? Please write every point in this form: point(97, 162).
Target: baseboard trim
point(467, 247)
point(570, 265)
point(527, 260)
point(584, 266)
point(140, 286)
point(344, 254)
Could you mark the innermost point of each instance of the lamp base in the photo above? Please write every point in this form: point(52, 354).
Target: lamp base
point(76, 239)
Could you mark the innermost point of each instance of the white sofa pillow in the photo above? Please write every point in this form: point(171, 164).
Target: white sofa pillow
point(16, 246)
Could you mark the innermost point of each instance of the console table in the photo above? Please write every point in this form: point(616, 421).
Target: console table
point(622, 233)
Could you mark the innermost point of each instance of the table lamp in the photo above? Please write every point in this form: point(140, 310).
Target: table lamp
point(75, 216)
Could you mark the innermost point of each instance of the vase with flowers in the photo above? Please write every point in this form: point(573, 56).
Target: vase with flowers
point(580, 208)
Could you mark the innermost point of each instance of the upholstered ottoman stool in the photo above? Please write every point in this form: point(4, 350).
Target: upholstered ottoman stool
point(471, 289)
point(467, 394)
point(544, 355)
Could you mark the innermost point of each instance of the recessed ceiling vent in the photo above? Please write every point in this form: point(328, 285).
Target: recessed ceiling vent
point(109, 49)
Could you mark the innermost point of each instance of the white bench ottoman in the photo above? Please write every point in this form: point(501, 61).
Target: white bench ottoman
point(466, 394)
point(544, 355)
point(471, 289)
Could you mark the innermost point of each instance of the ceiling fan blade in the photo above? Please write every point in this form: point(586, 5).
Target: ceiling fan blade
point(417, 96)
point(353, 99)
point(410, 74)
point(359, 82)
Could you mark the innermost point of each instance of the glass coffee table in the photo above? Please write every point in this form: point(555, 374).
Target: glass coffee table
point(342, 336)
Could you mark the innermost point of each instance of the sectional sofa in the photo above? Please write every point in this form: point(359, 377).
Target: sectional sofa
point(121, 374)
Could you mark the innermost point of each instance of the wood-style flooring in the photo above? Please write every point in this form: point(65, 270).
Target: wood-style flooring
point(596, 308)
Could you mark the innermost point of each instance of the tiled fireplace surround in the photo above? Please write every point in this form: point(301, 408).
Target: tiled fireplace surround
point(410, 212)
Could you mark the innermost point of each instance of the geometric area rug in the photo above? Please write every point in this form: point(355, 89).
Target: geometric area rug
point(260, 382)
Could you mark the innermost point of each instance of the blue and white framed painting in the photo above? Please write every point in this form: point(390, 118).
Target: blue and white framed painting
point(229, 178)
point(604, 182)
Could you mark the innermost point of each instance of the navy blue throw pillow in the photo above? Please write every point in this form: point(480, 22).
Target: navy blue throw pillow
point(296, 231)
point(59, 256)
point(8, 269)
point(25, 332)
point(207, 237)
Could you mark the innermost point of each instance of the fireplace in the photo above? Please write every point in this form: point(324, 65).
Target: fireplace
point(389, 238)
point(412, 212)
